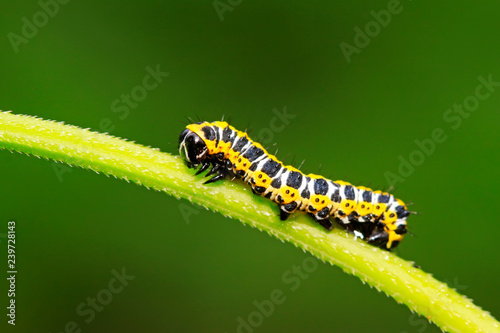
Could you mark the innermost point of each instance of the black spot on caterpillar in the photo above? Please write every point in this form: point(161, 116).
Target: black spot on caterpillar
point(375, 216)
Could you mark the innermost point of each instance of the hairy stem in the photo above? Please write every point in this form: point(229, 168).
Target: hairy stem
point(164, 172)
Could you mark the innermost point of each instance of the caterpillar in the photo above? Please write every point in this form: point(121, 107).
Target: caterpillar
point(375, 216)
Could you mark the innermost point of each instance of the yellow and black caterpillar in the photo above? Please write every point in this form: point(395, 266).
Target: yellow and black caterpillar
point(375, 216)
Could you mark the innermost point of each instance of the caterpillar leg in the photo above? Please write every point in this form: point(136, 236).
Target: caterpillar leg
point(215, 178)
point(380, 239)
point(204, 167)
point(258, 190)
point(325, 223)
point(287, 209)
point(217, 168)
point(218, 171)
point(346, 226)
point(283, 215)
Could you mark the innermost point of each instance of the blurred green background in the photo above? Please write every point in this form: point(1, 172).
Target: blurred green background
point(353, 121)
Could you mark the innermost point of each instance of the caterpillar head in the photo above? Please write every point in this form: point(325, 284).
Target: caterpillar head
point(192, 148)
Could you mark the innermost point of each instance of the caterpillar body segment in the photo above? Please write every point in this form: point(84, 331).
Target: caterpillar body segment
point(376, 216)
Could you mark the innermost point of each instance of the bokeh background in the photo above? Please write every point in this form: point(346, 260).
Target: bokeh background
point(354, 120)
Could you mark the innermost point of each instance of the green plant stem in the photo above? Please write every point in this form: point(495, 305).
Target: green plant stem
point(164, 172)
